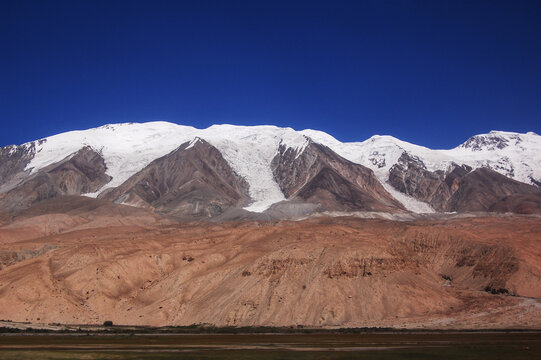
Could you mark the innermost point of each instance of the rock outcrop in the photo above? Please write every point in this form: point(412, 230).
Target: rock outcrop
point(80, 173)
point(13, 162)
point(194, 180)
point(318, 175)
point(460, 188)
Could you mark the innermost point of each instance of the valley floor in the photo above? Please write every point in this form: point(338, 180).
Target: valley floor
point(276, 346)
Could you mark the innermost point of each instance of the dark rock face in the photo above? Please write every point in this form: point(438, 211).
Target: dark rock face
point(13, 161)
point(457, 189)
point(535, 181)
point(319, 175)
point(80, 173)
point(482, 188)
point(488, 142)
point(410, 176)
point(194, 180)
point(335, 192)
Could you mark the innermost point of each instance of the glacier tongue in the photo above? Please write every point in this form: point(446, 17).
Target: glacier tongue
point(250, 150)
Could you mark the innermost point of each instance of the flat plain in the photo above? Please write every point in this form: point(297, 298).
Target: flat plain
point(392, 345)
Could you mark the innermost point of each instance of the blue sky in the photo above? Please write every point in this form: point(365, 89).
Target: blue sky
point(428, 72)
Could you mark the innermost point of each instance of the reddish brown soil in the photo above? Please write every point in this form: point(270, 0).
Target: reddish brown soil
point(331, 272)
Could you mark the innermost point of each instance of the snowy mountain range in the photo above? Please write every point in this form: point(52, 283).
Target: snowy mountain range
point(263, 168)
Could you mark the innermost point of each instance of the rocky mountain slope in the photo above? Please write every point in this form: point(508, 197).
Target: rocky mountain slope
point(318, 175)
point(193, 180)
point(261, 167)
point(78, 173)
point(460, 188)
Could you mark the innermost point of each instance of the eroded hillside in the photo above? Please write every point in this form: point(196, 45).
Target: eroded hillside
point(482, 272)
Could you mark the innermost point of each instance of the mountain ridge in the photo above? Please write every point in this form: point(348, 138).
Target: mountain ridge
point(128, 148)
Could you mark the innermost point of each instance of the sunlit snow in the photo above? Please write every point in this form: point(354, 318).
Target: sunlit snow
point(128, 148)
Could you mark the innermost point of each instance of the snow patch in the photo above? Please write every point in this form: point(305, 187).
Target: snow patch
point(192, 143)
point(410, 203)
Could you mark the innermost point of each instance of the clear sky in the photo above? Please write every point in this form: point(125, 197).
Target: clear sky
point(428, 72)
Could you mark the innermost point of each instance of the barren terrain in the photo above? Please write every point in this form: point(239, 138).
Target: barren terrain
point(94, 261)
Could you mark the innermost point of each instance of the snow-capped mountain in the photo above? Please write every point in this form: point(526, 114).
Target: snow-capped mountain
point(128, 148)
point(257, 156)
point(515, 155)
